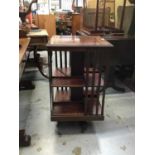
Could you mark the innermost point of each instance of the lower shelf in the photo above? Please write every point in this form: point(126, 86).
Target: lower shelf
point(66, 72)
point(74, 111)
point(77, 118)
point(78, 81)
point(64, 96)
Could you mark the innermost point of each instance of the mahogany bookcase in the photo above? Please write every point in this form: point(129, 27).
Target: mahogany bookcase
point(76, 83)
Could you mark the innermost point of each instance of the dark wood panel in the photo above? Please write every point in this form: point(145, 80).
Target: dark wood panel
point(70, 82)
point(62, 72)
point(75, 108)
point(66, 72)
point(65, 96)
point(76, 82)
point(76, 70)
point(62, 96)
point(78, 118)
point(95, 81)
point(123, 51)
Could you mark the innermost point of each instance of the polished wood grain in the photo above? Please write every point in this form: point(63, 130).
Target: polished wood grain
point(74, 111)
point(78, 41)
point(62, 72)
point(24, 42)
point(66, 72)
point(76, 108)
point(69, 109)
point(65, 96)
point(62, 96)
point(77, 82)
point(71, 82)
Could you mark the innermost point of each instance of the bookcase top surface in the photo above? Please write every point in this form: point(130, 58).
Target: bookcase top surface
point(78, 41)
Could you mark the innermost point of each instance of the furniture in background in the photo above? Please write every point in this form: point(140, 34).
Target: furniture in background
point(24, 140)
point(90, 16)
point(99, 17)
point(124, 46)
point(39, 39)
point(122, 61)
point(47, 22)
point(74, 80)
point(76, 22)
point(128, 19)
point(23, 54)
point(67, 23)
point(63, 23)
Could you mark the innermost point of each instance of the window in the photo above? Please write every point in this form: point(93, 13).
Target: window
point(45, 6)
point(54, 4)
point(80, 3)
point(66, 4)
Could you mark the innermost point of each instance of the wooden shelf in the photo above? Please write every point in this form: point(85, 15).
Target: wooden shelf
point(67, 82)
point(72, 111)
point(68, 109)
point(62, 96)
point(61, 72)
point(65, 96)
point(76, 82)
point(66, 72)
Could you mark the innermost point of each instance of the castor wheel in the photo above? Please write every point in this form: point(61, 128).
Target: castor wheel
point(84, 126)
point(57, 129)
point(58, 124)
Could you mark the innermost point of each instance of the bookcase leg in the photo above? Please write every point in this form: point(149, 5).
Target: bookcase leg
point(84, 126)
point(60, 125)
point(57, 129)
